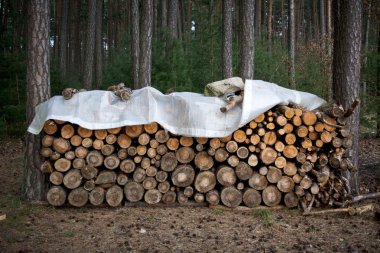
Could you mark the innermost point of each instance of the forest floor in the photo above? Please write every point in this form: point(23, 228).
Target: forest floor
point(41, 228)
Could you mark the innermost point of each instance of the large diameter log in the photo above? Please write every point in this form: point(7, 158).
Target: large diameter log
point(62, 165)
point(94, 158)
point(72, 179)
point(134, 191)
point(56, 196)
point(290, 151)
point(212, 197)
point(183, 176)
point(169, 197)
point(152, 196)
point(139, 175)
point(243, 171)
point(231, 197)
point(274, 175)
point(78, 197)
point(268, 155)
point(257, 181)
point(111, 162)
point(97, 196)
point(203, 161)
point(89, 172)
point(114, 196)
point(106, 177)
point(270, 138)
point(134, 131)
point(291, 200)
point(271, 196)
point(61, 145)
point(185, 154)
point(251, 198)
point(285, 184)
point(169, 162)
point(127, 166)
point(124, 141)
point(205, 181)
point(226, 176)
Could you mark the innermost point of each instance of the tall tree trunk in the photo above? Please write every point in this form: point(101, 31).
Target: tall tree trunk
point(283, 25)
point(111, 25)
point(38, 91)
point(329, 51)
point(246, 39)
point(227, 39)
point(322, 22)
point(172, 18)
point(99, 44)
point(164, 14)
point(315, 20)
point(346, 69)
point(366, 43)
point(63, 38)
point(135, 44)
point(57, 33)
point(146, 43)
point(75, 46)
point(258, 18)
point(292, 45)
point(378, 83)
point(90, 45)
point(270, 5)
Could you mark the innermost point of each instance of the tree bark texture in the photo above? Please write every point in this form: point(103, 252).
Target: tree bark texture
point(258, 18)
point(270, 8)
point(322, 18)
point(173, 18)
point(38, 90)
point(227, 39)
point(75, 39)
point(146, 43)
point(346, 68)
point(292, 45)
point(63, 38)
point(247, 39)
point(135, 45)
point(90, 46)
point(99, 44)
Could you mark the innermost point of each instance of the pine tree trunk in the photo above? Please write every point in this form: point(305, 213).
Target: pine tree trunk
point(164, 14)
point(270, 4)
point(63, 38)
point(329, 50)
point(292, 45)
point(135, 44)
point(283, 25)
point(90, 46)
point(146, 43)
point(258, 18)
point(322, 22)
point(75, 47)
point(172, 18)
point(346, 69)
point(99, 44)
point(227, 39)
point(38, 90)
point(246, 39)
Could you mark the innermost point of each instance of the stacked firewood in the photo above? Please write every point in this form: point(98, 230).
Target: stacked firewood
point(285, 156)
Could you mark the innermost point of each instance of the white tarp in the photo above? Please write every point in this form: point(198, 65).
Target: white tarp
point(182, 113)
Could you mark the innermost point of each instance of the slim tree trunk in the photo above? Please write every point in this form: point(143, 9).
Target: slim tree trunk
point(258, 18)
point(322, 22)
point(346, 69)
point(366, 42)
point(63, 38)
point(227, 39)
point(135, 45)
point(292, 45)
point(164, 14)
point(146, 43)
point(57, 33)
point(38, 90)
point(99, 44)
point(246, 39)
point(329, 51)
point(90, 46)
point(270, 5)
point(172, 18)
point(283, 24)
point(75, 47)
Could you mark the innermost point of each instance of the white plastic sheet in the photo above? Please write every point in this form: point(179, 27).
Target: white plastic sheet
point(182, 113)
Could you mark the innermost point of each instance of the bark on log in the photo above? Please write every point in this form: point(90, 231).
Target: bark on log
point(183, 176)
point(56, 196)
point(226, 176)
point(212, 197)
point(114, 196)
point(231, 197)
point(251, 198)
point(185, 154)
point(152, 197)
point(257, 181)
point(271, 196)
point(205, 181)
point(133, 191)
point(97, 196)
point(169, 162)
point(203, 161)
point(78, 197)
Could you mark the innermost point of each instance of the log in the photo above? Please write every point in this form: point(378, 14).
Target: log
point(115, 130)
point(251, 198)
point(185, 154)
point(253, 160)
point(271, 196)
point(84, 132)
point(144, 139)
point(56, 178)
point(290, 151)
point(55, 156)
point(161, 176)
point(101, 134)
point(56, 196)
point(270, 138)
point(151, 128)
point(46, 152)
point(290, 169)
point(161, 136)
point(257, 181)
point(242, 152)
point(226, 138)
point(141, 150)
point(134, 131)
point(79, 163)
point(309, 118)
point(169, 197)
point(151, 152)
point(239, 136)
point(243, 171)
point(154, 143)
point(61, 145)
point(72, 179)
point(89, 172)
point(106, 177)
point(67, 131)
point(151, 171)
point(274, 175)
point(122, 179)
point(268, 155)
point(162, 149)
point(188, 191)
point(111, 162)
point(70, 155)
point(94, 158)
point(183, 176)
point(212, 197)
point(203, 161)
point(78, 197)
point(62, 165)
point(182, 198)
point(96, 196)
point(232, 146)
point(132, 151)
point(81, 152)
point(233, 161)
point(47, 141)
point(297, 121)
point(285, 184)
point(259, 118)
point(149, 183)
point(254, 139)
point(199, 197)
point(169, 162)
point(163, 187)
point(152, 197)
point(124, 141)
point(288, 128)
point(172, 144)
point(301, 157)
point(286, 111)
point(215, 143)
point(127, 166)
point(97, 144)
point(133, 191)
point(280, 162)
point(87, 142)
point(290, 139)
point(50, 127)
point(139, 175)
point(221, 155)
point(114, 196)
point(122, 153)
point(306, 182)
point(205, 181)
point(89, 185)
point(231, 197)
point(76, 140)
point(108, 149)
point(226, 176)
point(291, 200)
point(263, 171)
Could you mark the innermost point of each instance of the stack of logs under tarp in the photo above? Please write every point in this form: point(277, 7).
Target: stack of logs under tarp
point(285, 156)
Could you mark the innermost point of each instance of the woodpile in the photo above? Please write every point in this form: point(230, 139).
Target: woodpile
point(285, 156)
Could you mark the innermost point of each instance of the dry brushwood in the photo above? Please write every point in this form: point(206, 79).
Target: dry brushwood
point(121, 91)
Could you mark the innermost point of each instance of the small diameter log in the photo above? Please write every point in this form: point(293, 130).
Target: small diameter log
point(124, 141)
point(169, 162)
point(152, 197)
point(78, 197)
point(290, 139)
point(203, 161)
point(232, 146)
point(161, 176)
point(134, 131)
point(205, 181)
point(72, 179)
point(161, 136)
point(79, 163)
point(149, 183)
point(154, 143)
point(88, 142)
point(84, 132)
point(97, 196)
point(259, 118)
point(163, 187)
point(182, 198)
point(50, 127)
point(297, 121)
point(62, 165)
point(137, 159)
point(97, 144)
point(151, 171)
point(115, 130)
point(186, 141)
point(162, 149)
point(183, 176)
point(281, 120)
point(290, 169)
point(47, 140)
point(326, 137)
point(89, 172)
point(70, 155)
point(143, 139)
point(61, 145)
point(139, 175)
point(94, 158)
point(134, 191)
point(306, 182)
point(172, 144)
point(169, 197)
point(285, 184)
point(301, 157)
point(233, 161)
point(253, 160)
point(151, 152)
point(55, 156)
point(242, 152)
point(151, 128)
point(240, 186)
point(239, 136)
point(286, 111)
point(291, 200)
point(127, 166)
point(290, 151)
point(251, 198)
point(274, 175)
point(56, 196)
point(67, 131)
point(81, 152)
point(309, 118)
point(243, 171)
point(263, 171)
point(89, 185)
point(188, 191)
point(122, 153)
point(226, 176)
point(271, 196)
point(288, 128)
point(215, 143)
point(56, 178)
point(257, 181)
point(270, 138)
point(46, 152)
point(254, 139)
point(314, 189)
point(122, 179)
point(111, 162)
point(106, 177)
point(212, 197)
point(108, 149)
point(268, 155)
point(280, 162)
point(226, 138)
point(199, 197)
point(221, 155)
point(306, 167)
point(231, 197)
point(185, 154)
point(101, 134)
point(114, 195)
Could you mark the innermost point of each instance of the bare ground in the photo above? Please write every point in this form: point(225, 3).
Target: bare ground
point(40, 228)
